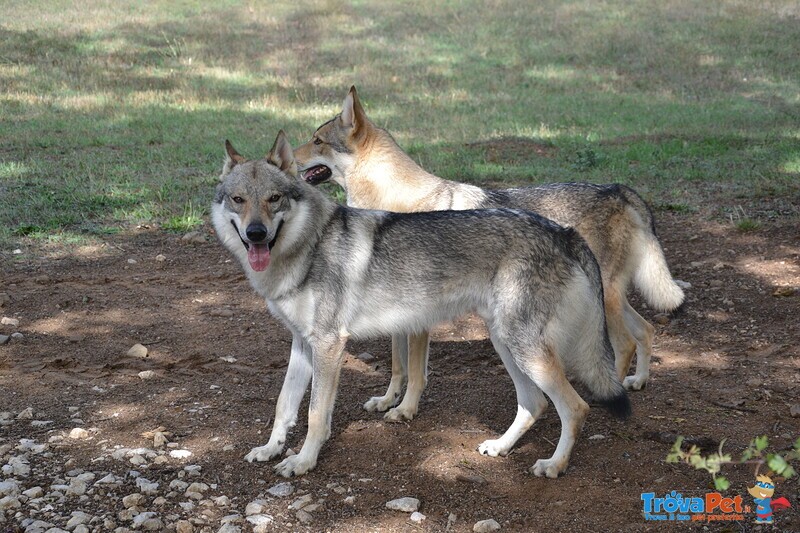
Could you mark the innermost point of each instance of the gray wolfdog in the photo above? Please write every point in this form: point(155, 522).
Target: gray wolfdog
point(616, 223)
point(331, 272)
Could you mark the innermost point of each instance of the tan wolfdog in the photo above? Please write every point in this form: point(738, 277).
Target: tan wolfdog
point(613, 219)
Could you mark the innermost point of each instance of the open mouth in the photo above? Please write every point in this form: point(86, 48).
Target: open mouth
point(258, 253)
point(317, 174)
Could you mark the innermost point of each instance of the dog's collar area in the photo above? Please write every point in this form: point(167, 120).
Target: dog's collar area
point(275, 238)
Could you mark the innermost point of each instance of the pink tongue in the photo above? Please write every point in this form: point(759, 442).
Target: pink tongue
point(258, 255)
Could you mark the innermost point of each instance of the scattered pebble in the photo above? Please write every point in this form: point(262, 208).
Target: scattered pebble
point(485, 526)
point(137, 350)
point(180, 454)
point(17, 336)
point(417, 517)
point(597, 437)
point(406, 505)
point(161, 258)
point(301, 502)
point(685, 285)
point(132, 261)
point(4, 339)
point(78, 434)
point(25, 414)
point(366, 357)
point(147, 374)
point(184, 526)
point(304, 517)
point(8, 321)
point(281, 490)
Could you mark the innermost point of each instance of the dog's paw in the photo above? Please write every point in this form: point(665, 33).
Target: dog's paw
point(492, 448)
point(296, 465)
point(263, 453)
point(549, 468)
point(381, 403)
point(635, 382)
point(399, 414)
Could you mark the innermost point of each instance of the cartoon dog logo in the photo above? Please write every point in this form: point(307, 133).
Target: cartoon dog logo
point(762, 496)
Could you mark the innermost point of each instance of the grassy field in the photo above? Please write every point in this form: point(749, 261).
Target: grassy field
point(113, 114)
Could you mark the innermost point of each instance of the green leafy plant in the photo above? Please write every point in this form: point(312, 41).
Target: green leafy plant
point(755, 454)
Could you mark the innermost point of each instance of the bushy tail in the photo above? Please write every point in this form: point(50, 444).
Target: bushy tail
point(605, 385)
point(650, 271)
point(652, 276)
point(582, 336)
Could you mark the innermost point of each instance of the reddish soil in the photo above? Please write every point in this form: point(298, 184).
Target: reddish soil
point(726, 367)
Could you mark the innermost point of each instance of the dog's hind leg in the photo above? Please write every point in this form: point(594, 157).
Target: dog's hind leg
point(543, 366)
point(294, 388)
point(399, 373)
point(622, 340)
point(643, 331)
point(531, 403)
point(328, 354)
point(418, 345)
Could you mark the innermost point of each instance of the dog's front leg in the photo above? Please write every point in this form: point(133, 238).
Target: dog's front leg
point(294, 388)
point(327, 355)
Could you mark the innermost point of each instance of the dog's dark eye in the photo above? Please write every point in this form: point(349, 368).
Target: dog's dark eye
point(238, 199)
point(317, 141)
point(274, 198)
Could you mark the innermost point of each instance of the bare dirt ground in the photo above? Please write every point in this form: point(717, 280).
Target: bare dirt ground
point(726, 367)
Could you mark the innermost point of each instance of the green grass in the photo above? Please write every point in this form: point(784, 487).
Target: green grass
point(114, 113)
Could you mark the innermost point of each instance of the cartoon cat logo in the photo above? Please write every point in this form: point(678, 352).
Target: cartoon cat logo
point(762, 496)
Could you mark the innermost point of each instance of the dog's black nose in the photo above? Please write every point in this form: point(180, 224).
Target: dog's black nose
point(256, 232)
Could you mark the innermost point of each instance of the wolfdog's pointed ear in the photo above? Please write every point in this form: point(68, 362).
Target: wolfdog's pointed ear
point(232, 158)
point(353, 115)
point(282, 155)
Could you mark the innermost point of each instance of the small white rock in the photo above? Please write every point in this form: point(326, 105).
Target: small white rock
point(34, 492)
point(133, 500)
point(180, 454)
point(141, 518)
point(146, 486)
point(301, 502)
point(177, 484)
point(229, 528)
point(485, 526)
point(8, 321)
point(25, 414)
point(417, 517)
point(147, 374)
point(9, 502)
point(260, 520)
point(79, 433)
point(137, 350)
point(197, 487)
point(222, 501)
point(304, 517)
point(597, 437)
point(281, 490)
point(254, 507)
point(9, 487)
point(17, 336)
point(406, 505)
point(78, 518)
point(161, 258)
